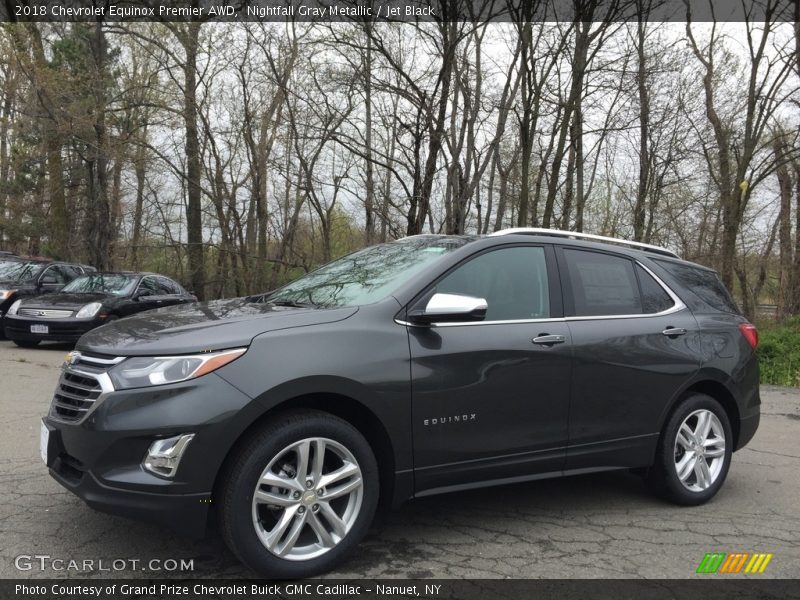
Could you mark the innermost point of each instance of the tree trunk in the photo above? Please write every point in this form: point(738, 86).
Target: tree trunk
point(194, 214)
point(639, 210)
point(99, 230)
point(784, 299)
point(369, 192)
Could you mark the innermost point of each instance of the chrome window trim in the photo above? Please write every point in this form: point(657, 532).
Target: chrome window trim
point(678, 305)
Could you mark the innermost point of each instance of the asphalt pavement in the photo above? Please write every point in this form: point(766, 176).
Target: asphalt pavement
point(604, 526)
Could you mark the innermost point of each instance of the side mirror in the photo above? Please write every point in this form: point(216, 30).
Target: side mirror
point(443, 308)
point(48, 280)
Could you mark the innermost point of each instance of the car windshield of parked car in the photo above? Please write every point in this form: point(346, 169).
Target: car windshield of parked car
point(118, 285)
point(368, 275)
point(19, 271)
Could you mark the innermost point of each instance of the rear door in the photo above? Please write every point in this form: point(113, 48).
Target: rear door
point(634, 345)
point(490, 401)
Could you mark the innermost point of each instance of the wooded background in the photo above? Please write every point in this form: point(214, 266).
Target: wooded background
point(237, 156)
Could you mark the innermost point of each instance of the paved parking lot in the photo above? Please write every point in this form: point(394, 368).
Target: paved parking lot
point(603, 525)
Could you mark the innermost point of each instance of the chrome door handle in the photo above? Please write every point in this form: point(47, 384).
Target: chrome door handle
point(674, 331)
point(549, 339)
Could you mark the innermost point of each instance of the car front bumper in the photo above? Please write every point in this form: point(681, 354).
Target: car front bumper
point(59, 330)
point(99, 458)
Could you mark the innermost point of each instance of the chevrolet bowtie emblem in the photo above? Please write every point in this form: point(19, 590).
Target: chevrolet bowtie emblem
point(71, 358)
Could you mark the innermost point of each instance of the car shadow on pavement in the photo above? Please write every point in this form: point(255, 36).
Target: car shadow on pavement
point(423, 538)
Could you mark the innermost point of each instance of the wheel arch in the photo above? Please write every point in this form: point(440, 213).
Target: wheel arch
point(340, 405)
point(716, 389)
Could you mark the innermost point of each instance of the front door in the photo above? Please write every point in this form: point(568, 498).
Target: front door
point(491, 399)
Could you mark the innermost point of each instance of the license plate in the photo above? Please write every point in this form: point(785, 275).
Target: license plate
point(40, 329)
point(44, 440)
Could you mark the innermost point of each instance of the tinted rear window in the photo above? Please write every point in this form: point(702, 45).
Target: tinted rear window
point(654, 298)
point(704, 284)
point(602, 284)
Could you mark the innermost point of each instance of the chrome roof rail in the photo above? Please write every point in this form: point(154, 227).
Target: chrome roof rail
point(585, 236)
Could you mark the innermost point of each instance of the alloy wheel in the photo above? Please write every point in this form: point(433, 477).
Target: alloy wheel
point(307, 499)
point(699, 450)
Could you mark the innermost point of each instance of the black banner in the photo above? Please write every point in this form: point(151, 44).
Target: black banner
point(708, 588)
point(397, 10)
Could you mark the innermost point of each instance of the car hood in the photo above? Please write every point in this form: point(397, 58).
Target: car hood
point(201, 326)
point(64, 300)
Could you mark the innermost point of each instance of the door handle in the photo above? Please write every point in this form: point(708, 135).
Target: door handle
point(546, 339)
point(674, 331)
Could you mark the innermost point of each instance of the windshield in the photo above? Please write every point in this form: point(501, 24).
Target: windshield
point(118, 285)
point(368, 275)
point(19, 271)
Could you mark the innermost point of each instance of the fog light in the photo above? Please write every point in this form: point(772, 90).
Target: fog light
point(164, 456)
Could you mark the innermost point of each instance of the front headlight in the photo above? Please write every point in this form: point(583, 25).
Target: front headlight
point(143, 371)
point(14, 307)
point(89, 310)
point(6, 294)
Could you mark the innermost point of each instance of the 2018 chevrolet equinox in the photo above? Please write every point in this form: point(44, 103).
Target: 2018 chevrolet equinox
point(426, 365)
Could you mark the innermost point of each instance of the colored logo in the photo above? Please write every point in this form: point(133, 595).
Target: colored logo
point(737, 562)
point(71, 358)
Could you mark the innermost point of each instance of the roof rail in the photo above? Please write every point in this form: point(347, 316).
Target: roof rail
point(585, 236)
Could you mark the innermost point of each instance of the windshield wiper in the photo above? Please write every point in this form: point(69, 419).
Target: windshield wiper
point(292, 303)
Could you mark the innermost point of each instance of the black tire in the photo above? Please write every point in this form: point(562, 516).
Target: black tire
point(663, 477)
point(246, 466)
point(27, 343)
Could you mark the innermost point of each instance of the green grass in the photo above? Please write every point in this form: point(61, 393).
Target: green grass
point(779, 352)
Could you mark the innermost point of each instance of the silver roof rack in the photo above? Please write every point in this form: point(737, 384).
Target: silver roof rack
point(585, 236)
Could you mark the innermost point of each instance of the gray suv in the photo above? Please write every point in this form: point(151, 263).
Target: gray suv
point(422, 366)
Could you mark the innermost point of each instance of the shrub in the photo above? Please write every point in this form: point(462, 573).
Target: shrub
point(779, 352)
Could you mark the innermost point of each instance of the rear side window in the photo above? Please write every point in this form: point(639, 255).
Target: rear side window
point(602, 284)
point(655, 298)
point(513, 281)
point(704, 284)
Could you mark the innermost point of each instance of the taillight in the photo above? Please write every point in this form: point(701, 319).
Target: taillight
point(750, 333)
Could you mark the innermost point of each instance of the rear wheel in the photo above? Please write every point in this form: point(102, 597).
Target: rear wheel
point(299, 495)
point(694, 452)
point(27, 343)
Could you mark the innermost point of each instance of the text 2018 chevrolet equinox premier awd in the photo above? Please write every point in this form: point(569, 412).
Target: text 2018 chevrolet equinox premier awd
point(426, 365)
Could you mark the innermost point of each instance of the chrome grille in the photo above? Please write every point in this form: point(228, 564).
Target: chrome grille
point(44, 313)
point(82, 384)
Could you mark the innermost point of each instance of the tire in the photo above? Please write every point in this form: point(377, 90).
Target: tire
point(250, 525)
point(684, 456)
point(27, 343)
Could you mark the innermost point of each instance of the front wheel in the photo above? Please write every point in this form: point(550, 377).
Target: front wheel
point(299, 495)
point(694, 452)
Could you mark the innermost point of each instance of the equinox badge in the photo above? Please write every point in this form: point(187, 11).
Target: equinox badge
point(453, 419)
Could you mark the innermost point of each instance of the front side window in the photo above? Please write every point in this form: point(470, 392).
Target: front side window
point(147, 287)
point(513, 281)
point(55, 274)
